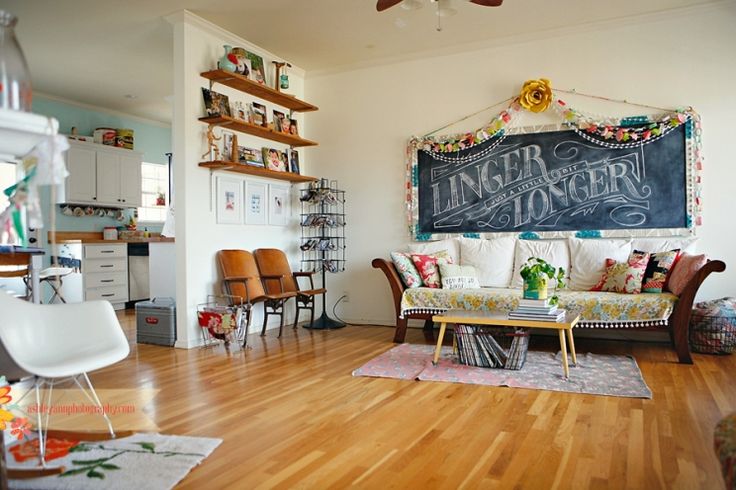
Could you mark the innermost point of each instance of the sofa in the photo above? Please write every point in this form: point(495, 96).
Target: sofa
point(498, 262)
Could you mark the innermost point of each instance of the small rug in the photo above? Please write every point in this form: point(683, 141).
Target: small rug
point(595, 374)
point(141, 461)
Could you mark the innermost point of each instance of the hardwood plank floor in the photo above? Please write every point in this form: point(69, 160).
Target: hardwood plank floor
point(292, 416)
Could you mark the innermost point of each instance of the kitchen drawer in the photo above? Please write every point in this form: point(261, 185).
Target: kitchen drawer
point(115, 294)
point(105, 265)
point(105, 251)
point(99, 279)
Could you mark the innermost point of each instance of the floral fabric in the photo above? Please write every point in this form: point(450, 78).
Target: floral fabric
point(408, 273)
point(428, 267)
point(624, 277)
point(597, 309)
point(658, 270)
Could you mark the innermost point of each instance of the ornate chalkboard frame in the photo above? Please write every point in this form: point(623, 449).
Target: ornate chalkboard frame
point(465, 151)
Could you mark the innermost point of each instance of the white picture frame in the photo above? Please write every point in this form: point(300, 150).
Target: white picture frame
point(229, 201)
point(256, 203)
point(279, 206)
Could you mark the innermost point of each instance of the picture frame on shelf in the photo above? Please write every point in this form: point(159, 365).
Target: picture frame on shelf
point(275, 160)
point(250, 156)
point(215, 104)
point(259, 114)
point(286, 125)
point(257, 69)
point(228, 144)
point(256, 203)
point(239, 111)
point(243, 66)
point(293, 127)
point(229, 201)
point(279, 208)
point(294, 162)
point(278, 120)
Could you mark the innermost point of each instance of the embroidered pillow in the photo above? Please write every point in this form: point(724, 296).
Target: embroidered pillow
point(428, 269)
point(624, 277)
point(408, 273)
point(458, 276)
point(685, 269)
point(658, 270)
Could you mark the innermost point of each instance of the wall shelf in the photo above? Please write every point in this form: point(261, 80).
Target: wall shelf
point(255, 130)
point(256, 171)
point(242, 83)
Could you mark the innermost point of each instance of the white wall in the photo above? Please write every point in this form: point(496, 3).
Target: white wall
point(367, 115)
point(197, 46)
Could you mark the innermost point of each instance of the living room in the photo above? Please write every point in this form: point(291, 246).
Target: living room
point(288, 405)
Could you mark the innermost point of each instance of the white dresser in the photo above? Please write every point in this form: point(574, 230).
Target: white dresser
point(105, 273)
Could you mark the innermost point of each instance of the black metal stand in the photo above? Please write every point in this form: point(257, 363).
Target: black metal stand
point(324, 322)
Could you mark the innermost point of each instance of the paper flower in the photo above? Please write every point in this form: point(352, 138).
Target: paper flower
point(536, 95)
point(20, 428)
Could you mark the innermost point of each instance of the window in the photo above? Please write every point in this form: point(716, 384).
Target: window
point(7, 178)
point(155, 192)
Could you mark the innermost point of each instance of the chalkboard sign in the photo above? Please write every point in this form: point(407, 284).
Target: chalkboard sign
point(554, 181)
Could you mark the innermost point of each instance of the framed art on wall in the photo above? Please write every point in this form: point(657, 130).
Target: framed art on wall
point(278, 205)
point(229, 201)
point(256, 203)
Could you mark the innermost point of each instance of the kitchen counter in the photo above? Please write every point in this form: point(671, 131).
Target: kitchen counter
point(91, 237)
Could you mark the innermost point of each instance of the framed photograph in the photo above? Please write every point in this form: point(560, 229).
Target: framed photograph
point(256, 203)
point(238, 110)
point(257, 70)
point(294, 162)
point(215, 104)
point(229, 201)
point(275, 160)
point(227, 146)
point(250, 156)
point(278, 120)
point(278, 205)
point(259, 114)
point(293, 128)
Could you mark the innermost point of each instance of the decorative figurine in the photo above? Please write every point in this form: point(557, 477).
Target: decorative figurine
point(213, 149)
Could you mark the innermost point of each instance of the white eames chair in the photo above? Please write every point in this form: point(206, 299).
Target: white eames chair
point(58, 343)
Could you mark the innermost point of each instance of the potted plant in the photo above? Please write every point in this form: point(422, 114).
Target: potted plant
point(537, 273)
point(161, 199)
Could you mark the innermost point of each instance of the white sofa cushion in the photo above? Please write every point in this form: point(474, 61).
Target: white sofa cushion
point(665, 244)
point(493, 259)
point(555, 252)
point(588, 259)
point(429, 248)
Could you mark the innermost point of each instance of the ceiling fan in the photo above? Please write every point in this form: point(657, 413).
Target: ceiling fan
point(382, 5)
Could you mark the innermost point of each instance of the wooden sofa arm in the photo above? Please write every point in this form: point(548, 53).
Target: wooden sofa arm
point(397, 287)
point(679, 322)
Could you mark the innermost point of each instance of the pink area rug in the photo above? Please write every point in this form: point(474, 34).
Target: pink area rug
point(595, 374)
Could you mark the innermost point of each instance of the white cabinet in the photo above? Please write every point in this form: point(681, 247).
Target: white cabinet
point(103, 175)
point(105, 273)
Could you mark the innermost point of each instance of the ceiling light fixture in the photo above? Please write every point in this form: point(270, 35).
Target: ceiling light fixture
point(130, 96)
point(444, 9)
point(411, 5)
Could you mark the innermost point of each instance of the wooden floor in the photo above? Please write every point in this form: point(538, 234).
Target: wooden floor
point(292, 416)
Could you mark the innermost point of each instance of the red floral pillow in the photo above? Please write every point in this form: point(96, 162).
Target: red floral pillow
point(624, 277)
point(428, 267)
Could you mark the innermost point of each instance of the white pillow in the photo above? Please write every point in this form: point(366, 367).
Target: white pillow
point(493, 259)
point(553, 251)
point(665, 243)
point(428, 248)
point(458, 276)
point(588, 259)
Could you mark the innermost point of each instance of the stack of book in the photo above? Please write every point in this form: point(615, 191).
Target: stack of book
point(478, 346)
point(537, 309)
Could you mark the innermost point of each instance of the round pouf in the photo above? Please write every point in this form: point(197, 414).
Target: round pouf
point(713, 326)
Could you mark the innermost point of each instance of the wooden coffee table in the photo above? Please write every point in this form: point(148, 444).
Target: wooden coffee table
point(500, 319)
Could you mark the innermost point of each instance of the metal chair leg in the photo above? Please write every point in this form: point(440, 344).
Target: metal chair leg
point(296, 318)
point(265, 320)
point(281, 320)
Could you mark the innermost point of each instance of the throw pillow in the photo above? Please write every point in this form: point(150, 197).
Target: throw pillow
point(658, 270)
point(493, 259)
point(408, 273)
point(624, 277)
point(450, 245)
point(428, 268)
point(555, 252)
point(588, 259)
point(685, 269)
point(458, 276)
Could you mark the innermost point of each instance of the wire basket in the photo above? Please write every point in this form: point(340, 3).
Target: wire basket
point(492, 347)
point(713, 326)
point(222, 318)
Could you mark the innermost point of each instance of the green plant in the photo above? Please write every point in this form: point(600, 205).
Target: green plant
point(536, 270)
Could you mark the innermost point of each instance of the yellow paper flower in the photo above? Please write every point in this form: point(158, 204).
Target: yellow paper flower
point(5, 417)
point(536, 95)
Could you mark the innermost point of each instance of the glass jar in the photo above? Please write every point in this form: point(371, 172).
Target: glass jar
point(15, 79)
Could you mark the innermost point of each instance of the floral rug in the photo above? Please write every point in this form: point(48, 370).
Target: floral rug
point(141, 461)
point(595, 374)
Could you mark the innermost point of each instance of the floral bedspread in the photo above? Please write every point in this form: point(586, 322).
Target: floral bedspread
point(597, 309)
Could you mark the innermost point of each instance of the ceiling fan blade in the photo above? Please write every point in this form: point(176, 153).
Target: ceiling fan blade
point(487, 3)
point(385, 4)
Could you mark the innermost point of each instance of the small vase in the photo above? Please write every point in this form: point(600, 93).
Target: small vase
point(224, 63)
point(536, 288)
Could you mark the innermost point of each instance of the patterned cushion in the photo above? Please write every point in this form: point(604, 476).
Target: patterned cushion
point(428, 269)
point(624, 277)
point(458, 276)
point(408, 273)
point(685, 269)
point(658, 270)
